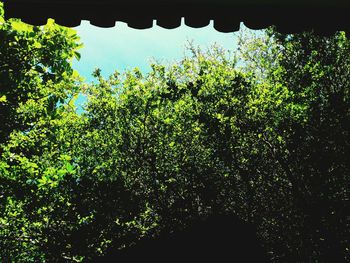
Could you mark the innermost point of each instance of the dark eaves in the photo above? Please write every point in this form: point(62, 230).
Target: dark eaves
point(288, 16)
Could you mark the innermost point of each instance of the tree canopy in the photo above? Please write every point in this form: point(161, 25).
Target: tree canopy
point(261, 133)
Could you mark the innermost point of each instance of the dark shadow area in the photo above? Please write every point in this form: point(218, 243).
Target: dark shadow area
point(288, 16)
point(219, 238)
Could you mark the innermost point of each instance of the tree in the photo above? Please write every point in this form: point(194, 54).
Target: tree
point(306, 134)
point(37, 81)
point(174, 138)
point(262, 135)
point(35, 71)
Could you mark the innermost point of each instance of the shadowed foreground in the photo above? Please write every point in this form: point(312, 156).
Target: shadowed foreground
point(217, 239)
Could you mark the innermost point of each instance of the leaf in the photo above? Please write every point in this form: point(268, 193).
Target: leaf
point(70, 168)
point(43, 181)
point(37, 45)
point(30, 181)
point(61, 173)
point(65, 157)
point(71, 102)
point(20, 26)
point(3, 99)
point(50, 24)
point(77, 55)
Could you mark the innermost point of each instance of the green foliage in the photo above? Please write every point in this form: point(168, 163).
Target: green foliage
point(36, 80)
point(35, 72)
point(305, 132)
point(263, 135)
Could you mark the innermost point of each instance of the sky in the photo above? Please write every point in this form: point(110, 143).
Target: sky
point(121, 47)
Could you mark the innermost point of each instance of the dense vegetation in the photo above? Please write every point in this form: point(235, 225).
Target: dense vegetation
point(262, 133)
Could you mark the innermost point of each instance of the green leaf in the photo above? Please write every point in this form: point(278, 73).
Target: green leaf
point(37, 45)
point(3, 99)
point(20, 26)
point(77, 55)
point(70, 168)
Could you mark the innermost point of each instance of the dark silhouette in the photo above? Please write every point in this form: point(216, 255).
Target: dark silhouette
point(219, 238)
point(290, 17)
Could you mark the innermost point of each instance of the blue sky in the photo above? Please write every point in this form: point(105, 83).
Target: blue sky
point(121, 47)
